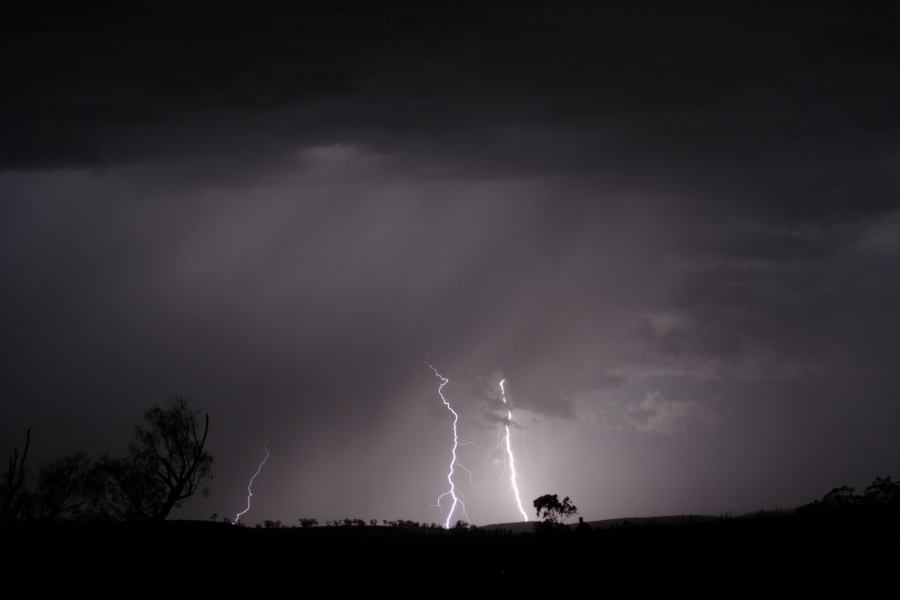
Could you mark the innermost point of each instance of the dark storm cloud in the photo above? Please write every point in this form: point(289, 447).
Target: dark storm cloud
point(672, 225)
point(788, 107)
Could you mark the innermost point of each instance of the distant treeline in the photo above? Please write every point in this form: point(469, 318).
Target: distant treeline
point(308, 522)
point(882, 494)
point(166, 462)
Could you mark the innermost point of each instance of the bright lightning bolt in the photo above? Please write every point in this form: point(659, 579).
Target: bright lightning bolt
point(509, 452)
point(453, 459)
point(259, 470)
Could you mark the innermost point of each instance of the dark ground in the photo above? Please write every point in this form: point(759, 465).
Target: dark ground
point(803, 552)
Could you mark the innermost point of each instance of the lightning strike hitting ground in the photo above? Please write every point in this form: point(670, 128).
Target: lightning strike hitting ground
point(259, 470)
point(453, 458)
point(509, 452)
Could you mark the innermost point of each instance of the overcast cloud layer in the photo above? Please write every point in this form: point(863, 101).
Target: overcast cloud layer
point(675, 232)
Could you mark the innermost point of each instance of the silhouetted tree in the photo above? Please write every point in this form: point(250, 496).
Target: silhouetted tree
point(308, 522)
point(883, 494)
point(12, 488)
point(126, 488)
point(64, 490)
point(842, 498)
point(551, 510)
point(165, 464)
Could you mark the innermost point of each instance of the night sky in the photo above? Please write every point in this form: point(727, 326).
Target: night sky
point(673, 229)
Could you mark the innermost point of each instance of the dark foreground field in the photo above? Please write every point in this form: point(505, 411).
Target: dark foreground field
point(804, 551)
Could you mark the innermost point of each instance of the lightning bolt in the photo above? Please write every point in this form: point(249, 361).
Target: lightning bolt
point(489, 454)
point(454, 461)
point(259, 470)
point(509, 452)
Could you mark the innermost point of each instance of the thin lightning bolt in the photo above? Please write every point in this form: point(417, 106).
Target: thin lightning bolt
point(489, 454)
point(509, 452)
point(259, 470)
point(453, 459)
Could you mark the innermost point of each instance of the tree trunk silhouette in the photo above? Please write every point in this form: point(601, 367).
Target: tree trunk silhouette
point(180, 472)
point(14, 482)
